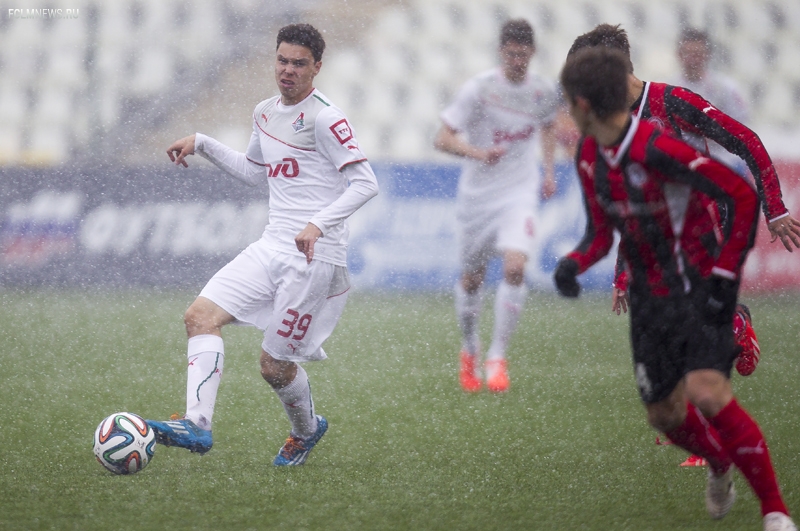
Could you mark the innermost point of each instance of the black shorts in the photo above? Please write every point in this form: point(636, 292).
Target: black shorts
point(674, 335)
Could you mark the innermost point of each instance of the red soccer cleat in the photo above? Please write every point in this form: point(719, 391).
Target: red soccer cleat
point(746, 338)
point(497, 376)
point(469, 381)
point(694, 460)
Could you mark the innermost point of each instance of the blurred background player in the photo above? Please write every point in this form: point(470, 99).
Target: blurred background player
point(293, 282)
point(694, 52)
point(494, 123)
point(635, 179)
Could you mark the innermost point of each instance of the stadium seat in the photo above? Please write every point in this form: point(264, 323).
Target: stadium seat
point(13, 104)
point(55, 107)
point(778, 104)
point(48, 144)
point(755, 21)
point(10, 142)
point(153, 72)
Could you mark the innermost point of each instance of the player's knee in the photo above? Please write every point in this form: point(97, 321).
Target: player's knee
point(665, 417)
point(198, 320)
point(709, 403)
point(514, 275)
point(471, 282)
point(277, 373)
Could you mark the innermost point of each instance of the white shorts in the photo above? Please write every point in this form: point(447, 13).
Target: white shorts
point(486, 233)
point(296, 304)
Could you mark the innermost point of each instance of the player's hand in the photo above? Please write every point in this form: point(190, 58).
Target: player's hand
point(180, 149)
point(565, 278)
point(619, 300)
point(306, 239)
point(548, 187)
point(788, 230)
point(492, 155)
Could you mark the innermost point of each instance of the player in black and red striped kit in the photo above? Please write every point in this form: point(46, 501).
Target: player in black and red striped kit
point(689, 116)
point(645, 183)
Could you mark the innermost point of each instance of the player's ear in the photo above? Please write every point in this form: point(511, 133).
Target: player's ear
point(583, 104)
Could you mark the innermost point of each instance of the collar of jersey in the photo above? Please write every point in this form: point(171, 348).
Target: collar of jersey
point(643, 100)
point(282, 106)
point(612, 158)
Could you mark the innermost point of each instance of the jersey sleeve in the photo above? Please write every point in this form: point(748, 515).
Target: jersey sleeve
point(677, 161)
point(363, 186)
point(336, 139)
point(693, 114)
point(599, 234)
point(551, 102)
point(459, 113)
point(247, 167)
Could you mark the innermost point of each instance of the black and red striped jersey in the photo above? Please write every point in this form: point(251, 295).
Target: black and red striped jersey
point(683, 113)
point(643, 188)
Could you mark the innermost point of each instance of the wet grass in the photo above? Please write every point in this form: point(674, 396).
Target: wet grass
point(566, 448)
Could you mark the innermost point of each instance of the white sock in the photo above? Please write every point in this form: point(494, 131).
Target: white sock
point(206, 354)
point(299, 406)
point(468, 311)
point(508, 306)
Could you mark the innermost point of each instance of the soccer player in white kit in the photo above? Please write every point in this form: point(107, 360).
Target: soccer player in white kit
point(694, 53)
point(293, 282)
point(494, 124)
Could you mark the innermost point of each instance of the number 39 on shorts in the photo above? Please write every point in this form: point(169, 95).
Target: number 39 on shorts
point(295, 321)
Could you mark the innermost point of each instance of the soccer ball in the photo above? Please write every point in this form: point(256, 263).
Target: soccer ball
point(124, 443)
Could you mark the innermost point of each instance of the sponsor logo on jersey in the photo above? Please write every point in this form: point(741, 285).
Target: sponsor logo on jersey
point(264, 116)
point(587, 168)
point(288, 167)
point(517, 136)
point(658, 122)
point(299, 123)
point(637, 175)
point(341, 130)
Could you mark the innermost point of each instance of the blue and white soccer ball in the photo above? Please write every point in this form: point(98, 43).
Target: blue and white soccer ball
point(124, 443)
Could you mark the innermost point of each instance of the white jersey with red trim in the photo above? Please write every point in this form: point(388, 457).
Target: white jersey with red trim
point(492, 111)
point(303, 149)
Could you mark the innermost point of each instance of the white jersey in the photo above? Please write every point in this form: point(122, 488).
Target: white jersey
point(492, 111)
point(303, 152)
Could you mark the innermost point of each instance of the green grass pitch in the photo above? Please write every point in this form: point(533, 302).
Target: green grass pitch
point(567, 448)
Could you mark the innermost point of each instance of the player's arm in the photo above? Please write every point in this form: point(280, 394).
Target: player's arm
point(619, 287)
point(450, 141)
point(598, 237)
point(336, 141)
point(247, 167)
point(694, 114)
point(363, 186)
point(549, 142)
point(678, 161)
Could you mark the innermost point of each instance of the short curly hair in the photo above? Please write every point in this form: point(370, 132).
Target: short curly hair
point(598, 74)
point(303, 35)
point(517, 30)
point(604, 35)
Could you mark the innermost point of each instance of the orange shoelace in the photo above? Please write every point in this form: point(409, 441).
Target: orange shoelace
point(291, 445)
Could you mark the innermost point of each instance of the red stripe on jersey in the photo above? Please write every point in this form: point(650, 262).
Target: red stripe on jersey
point(648, 200)
point(254, 162)
point(346, 164)
point(679, 110)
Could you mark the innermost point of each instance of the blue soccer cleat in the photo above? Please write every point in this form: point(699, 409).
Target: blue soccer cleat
point(295, 450)
point(182, 433)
